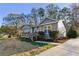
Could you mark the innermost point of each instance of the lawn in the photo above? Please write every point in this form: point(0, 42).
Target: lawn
point(38, 44)
point(11, 47)
point(42, 47)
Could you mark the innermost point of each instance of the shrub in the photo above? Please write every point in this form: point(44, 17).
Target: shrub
point(41, 34)
point(9, 36)
point(53, 34)
point(0, 36)
point(72, 33)
point(25, 39)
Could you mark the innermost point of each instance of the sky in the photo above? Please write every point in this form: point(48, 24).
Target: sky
point(6, 8)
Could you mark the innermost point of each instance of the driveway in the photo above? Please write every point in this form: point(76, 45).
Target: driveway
point(69, 48)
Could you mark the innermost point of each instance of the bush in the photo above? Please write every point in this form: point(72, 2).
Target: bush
point(53, 34)
point(41, 34)
point(9, 36)
point(72, 33)
point(0, 36)
point(25, 39)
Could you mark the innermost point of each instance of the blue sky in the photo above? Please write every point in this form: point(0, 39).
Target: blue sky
point(6, 8)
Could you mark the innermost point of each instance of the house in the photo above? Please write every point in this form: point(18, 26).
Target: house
point(61, 28)
point(45, 26)
point(48, 24)
point(27, 29)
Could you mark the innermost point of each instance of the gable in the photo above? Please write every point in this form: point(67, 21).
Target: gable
point(48, 21)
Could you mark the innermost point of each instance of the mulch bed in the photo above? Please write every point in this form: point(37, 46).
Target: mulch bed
point(61, 39)
point(58, 40)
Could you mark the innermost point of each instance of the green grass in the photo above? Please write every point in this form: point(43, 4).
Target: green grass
point(39, 43)
point(35, 51)
point(10, 47)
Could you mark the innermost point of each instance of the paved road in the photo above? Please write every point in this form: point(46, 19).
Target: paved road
point(69, 48)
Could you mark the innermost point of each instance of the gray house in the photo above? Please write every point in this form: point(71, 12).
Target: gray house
point(45, 26)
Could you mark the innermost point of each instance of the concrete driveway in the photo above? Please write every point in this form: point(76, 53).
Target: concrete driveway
point(69, 48)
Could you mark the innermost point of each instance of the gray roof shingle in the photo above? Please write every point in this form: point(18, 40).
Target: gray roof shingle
point(47, 20)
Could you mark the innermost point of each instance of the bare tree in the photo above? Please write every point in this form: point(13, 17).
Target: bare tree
point(15, 20)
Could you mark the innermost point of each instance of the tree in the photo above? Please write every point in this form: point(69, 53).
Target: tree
point(52, 11)
point(75, 12)
point(41, 13)
point(31, 20)
point(29, 17)
point(66, 16)
point(34, 15)
point(72, 33)
point(65, 13)
point(11, 31)
point(15, 20)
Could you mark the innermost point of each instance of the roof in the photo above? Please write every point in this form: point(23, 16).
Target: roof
point(43, 22)
point(48, 21)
